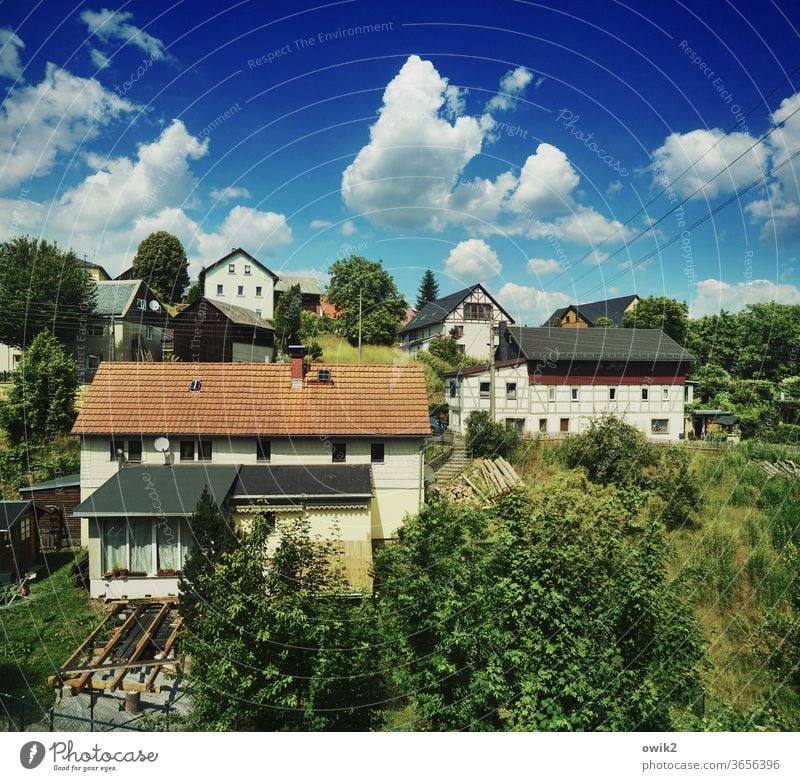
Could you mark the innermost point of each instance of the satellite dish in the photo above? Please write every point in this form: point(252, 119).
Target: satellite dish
point(154, 305)
point(161, 444)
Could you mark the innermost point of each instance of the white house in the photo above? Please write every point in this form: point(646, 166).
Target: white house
point(554, 381)
point(467, 316)
point(239, 279)
point(340, 444)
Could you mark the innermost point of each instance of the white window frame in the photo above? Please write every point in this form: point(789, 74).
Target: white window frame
point(231, 268)
point(248, 270)
point(645, 393)
point(511, 391)
point(612, 394)
point(487, 393)
point(240, 291)
point(551, 393)
point(575, 393)
point(665, 393)
point(259, 291)
point(666, 426)
point(220, 290)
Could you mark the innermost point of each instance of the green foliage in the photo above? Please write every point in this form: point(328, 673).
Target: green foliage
point(603, 322)
point(428, 290)
point(40, 401)
point(539, 614)
point(194, 293)
point(446, 349)
point(161, 262)
point(359, 283)
point(769, 334)
point(43, 289)
point(715, 339)
point(288, 318)
point(28, 463)
point(487, 439)
point(666, 314)
point(277, 645)
point(783, 433)
point(611, 451)
point(713, 380)
point(679, 486)
point(780, 501)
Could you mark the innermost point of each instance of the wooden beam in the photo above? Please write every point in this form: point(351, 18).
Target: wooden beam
point(143, 642)
point(128, 686)
point(120, 666)
point(90, 639)
point(167, 648)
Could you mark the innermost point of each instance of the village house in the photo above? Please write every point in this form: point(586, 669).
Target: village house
point(342, 445)
point(242, 280)
point(210, 330)
point(554, 381)
point(585, 315)
point(466, 316)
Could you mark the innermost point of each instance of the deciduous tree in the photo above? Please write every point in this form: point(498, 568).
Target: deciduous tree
point(666, 314)
point(161, 262)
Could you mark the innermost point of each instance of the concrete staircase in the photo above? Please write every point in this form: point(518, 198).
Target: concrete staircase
point(455, 465)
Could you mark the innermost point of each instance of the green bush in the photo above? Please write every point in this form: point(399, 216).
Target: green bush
point(677, 483)
point(487, 439)
point(783, 433)
point(742, 496)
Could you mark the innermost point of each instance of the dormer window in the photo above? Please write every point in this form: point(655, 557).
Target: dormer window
point(231, 268)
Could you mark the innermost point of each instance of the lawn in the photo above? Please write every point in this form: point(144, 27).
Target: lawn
point(38, 633)
point(338, 351)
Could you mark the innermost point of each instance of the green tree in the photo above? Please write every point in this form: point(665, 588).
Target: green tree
point(278, 644)
point(679, 488)
point(770, 335)
point(194, 293)
point(666, 314)
point(716, 339)
point(713, 380)
point(446, 348)
point(288, 318)
point(358, 284)
point(161, 262)
point(41, 288)
point(487, 439)
point(428, 290)
point(40, 401)
point(604, 322)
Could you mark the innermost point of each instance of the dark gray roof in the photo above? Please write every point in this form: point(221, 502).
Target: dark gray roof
point(612, 308)
point(438, 310)
point(11, 512)
point(114, 297)
point(239, 315)
point(236, 251)
point(157, 490)
point(65, 481)
point(563, 344)
point(293, 481)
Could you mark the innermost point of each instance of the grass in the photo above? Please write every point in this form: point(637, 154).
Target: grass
point(38, 633)
point(339, 351)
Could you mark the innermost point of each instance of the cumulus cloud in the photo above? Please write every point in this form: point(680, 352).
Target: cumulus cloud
point(40, 121)
point(472, 259)
point(260, 232)
point(349, 228)
point(681, 151)
point(614, 188)
point(225, 194)
point(319, 224)
point(546, 182)
point(584, 225)
point(99, 60)
point(512, 85)
point(114, 27)
point(529, 305)
point(10, 45)
point(543, 266)
point(712, 295)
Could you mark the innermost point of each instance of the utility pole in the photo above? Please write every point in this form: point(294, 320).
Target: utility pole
point(491, 372)
point(360, 296)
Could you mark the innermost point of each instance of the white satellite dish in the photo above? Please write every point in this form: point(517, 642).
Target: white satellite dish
point(154, 305)
point(161, 444)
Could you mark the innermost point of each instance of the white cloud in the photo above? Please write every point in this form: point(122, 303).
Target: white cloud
point(10, 44)
point(530, 305)
point(546, 182)
point(472, 260)
point(349, 228)
point(113, 26)
point(512, 85)
point(319, 224)
point(225, 194)
point(681, 151)
point(257, 231)
point(40, 121)
point(99, 60)
point(714, 294)
point(597, 257)
point(543, 266)
point(614, 188)
point(583, 226)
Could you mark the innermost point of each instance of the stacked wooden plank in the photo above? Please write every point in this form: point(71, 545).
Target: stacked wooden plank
point(482, 482)
point(781, 469)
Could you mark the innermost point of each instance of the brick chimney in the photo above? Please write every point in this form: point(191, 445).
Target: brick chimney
point(297, 352)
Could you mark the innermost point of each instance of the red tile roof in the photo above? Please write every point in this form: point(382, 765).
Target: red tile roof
point(241, 399)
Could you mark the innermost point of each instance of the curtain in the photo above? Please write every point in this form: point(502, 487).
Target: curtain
point(187, 540)
point(141, 545)
point(115, 544)
point(167, 537)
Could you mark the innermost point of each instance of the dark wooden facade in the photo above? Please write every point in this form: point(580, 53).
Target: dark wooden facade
point(59, 529)
point(19, 537)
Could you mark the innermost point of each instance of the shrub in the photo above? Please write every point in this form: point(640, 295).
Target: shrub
point(487, 439)
point(742, 496)
point(783, 433)
point(679, 486)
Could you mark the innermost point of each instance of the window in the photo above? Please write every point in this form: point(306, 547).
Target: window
point(338, 453)
point(115, 445)
point(453, 389)
point(168, 539)
point(659, 426)
point(258, 313)
point(477, 311)
point(574, 393)
point(130, 545)
point(515, 424)
point(686, 393)
point(665, 394)
point(240, 290)
point(135, 450)
point(462, 348)
point(484, 390)
point(511, 391)
point(248, 269)
point(258, 291)
point(263, 450)
point(219, 290)
point(231, 268)
point(645, 394)
point(376, 452)
point(93, 361)
point(204, 450)
point(543, 425)
point(25, 529)
point(187, 450)
point(141, 303)
point(95, 330)
point(564, 425)
point(195, 385)
point(551, 393)
point(612, 394)
point(148, 334)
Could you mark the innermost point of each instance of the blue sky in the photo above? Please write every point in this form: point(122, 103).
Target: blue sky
point(506, 143)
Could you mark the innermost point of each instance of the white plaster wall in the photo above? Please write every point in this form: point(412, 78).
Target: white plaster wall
point(219, 275)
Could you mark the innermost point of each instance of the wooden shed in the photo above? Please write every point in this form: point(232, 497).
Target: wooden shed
point(19, 537)
point(61, 496)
